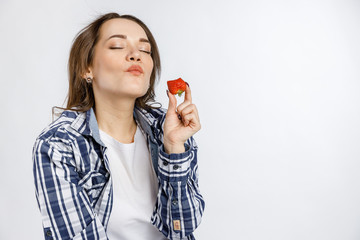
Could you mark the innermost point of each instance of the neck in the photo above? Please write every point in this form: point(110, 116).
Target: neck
point(116, 119)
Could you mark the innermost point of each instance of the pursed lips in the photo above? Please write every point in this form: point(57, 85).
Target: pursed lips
point(135, 69)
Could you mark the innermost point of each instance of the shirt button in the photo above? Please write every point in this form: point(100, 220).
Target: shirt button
point(48, 233)
point(175, 167)
point(165, 163)
point(174, 202)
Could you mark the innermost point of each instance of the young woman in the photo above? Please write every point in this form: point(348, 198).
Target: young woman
point(112, 166)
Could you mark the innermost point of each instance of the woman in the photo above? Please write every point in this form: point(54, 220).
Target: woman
point(112, 166)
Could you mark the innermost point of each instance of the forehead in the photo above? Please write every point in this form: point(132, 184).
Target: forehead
point(122, 26)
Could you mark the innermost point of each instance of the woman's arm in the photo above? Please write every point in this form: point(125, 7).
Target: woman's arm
point(64, 205)
point(180, 205)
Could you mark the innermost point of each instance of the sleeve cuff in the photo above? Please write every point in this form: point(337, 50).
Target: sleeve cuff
point(175, 166)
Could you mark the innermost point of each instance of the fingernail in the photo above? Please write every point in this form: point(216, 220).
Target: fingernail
point(167, 93)
point(187, 84)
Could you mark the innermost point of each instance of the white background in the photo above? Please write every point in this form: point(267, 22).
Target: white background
point(277, 86)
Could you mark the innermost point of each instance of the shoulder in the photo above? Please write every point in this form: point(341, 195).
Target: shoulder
point(157, 112)
point(153, 115)
point(60, 131)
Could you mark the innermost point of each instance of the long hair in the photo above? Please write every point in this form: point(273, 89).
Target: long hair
point(80, 96)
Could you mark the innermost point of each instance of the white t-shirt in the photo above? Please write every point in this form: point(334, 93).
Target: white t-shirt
point(134, 189)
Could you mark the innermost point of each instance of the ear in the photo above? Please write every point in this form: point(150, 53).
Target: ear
point(88, 73)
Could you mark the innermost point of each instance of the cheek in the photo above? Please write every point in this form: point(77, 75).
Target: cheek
point(105, 64)
point(150, 67)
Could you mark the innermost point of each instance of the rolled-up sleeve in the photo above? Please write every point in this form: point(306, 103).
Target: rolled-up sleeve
point(64, 205)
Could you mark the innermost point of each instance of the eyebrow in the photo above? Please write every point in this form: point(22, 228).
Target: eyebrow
point(125, 37)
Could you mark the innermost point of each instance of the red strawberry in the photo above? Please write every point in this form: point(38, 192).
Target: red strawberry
point(177, 86)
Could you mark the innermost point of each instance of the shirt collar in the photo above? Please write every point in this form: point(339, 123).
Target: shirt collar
point(86, 123)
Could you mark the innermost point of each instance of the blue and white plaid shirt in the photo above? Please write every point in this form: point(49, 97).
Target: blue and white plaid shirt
point(74, 188)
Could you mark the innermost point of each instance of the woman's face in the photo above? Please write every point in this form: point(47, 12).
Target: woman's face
point(122, 44)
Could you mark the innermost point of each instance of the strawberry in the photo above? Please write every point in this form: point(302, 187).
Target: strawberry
point(177, 86)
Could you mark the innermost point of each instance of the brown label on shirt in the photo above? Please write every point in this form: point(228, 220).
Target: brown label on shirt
point(177, 225)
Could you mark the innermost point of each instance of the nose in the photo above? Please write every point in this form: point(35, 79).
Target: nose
point(133, 55)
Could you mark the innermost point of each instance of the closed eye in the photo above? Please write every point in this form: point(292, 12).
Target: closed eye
point(145, 51)
point(123, 48)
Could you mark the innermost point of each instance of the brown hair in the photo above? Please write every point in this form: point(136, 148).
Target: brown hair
point(80, 95)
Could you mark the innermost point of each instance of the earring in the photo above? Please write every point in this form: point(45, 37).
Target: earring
point(89, 80)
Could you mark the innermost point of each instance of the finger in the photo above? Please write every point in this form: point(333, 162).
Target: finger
point(188, 109)
point(182, 106)
point(191, 110)
point(188, 94)
point(172, 103)
point(187, 99)
point(191, 120)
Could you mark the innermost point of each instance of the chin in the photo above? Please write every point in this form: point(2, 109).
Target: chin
point(135, 88)
point(139, 92)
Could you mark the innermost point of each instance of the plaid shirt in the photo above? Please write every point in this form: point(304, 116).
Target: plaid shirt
point(73, 183)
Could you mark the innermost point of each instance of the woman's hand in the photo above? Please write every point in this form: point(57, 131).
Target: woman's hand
point(180, 123)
